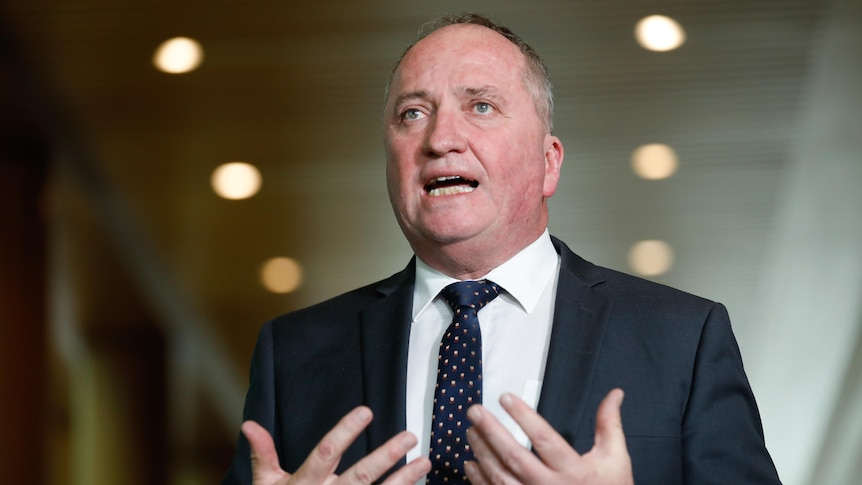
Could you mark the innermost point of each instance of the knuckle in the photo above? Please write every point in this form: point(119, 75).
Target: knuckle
point(362, 473)
point(394, 452)
point(326, 450)
point(497, 477)
point(513, 460)
point(542, 436)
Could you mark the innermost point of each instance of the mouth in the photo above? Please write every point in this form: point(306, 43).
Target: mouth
point(450, 185)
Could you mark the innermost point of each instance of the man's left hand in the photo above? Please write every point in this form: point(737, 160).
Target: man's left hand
point(502, 460)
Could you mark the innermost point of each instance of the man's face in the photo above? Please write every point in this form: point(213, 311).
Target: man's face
point(468, 158)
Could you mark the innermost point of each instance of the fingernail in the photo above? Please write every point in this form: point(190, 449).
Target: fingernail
point(470, 467)
point(475, 414)
point(506, 399)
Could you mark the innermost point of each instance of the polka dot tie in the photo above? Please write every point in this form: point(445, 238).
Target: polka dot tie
point(459, 380)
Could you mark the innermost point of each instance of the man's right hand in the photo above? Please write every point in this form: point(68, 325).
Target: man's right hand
point(319, 467)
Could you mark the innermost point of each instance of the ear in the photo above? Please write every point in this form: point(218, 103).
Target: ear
point(553, 164)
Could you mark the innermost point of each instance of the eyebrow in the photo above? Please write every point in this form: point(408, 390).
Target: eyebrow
point(490, 91)
point(420, 94)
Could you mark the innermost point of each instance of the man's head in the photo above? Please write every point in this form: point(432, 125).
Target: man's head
point(536, 75)
point(470, 156)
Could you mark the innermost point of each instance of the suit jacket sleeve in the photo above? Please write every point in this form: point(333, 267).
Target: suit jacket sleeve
point(259, 407)
point(722, 434)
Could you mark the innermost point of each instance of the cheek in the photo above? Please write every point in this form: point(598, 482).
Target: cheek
point(530, 178)
point(393, 181)
point(398, 178)
point(398, 156)
point(525, 187)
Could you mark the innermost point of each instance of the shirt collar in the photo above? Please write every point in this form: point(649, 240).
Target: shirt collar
point(524, 276)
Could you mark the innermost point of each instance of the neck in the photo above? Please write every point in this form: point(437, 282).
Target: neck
point(469, 259)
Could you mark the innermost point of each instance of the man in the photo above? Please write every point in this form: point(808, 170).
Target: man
point(471, 162)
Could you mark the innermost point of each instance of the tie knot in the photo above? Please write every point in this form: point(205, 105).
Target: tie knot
point(472, 295)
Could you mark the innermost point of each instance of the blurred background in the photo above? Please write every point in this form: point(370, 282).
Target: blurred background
point(136, 267)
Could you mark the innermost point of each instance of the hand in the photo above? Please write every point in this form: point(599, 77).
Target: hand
point(501, 459)
point(320, 465)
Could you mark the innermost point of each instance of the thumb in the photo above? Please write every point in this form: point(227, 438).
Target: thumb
point(264, 459)
point(609, 423)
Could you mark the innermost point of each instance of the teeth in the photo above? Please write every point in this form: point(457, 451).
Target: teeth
point(457, 189)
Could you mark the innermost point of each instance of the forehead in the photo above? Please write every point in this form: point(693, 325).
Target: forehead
point(472, 53)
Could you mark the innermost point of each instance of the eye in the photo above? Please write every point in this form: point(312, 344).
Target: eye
point(483, 108)
point(411, 114)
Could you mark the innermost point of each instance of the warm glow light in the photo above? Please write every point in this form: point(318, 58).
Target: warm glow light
point(178, 55)
point(236, 180)
point(654, 161)
point(650, 257)
point(281, 275)
point(659, 33)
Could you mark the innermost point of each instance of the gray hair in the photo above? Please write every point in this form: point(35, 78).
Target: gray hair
point(536, 78)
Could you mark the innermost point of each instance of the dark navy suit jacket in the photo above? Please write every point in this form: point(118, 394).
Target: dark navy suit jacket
point(689, 415)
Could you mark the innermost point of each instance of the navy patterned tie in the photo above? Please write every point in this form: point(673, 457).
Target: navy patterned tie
point(459, 381)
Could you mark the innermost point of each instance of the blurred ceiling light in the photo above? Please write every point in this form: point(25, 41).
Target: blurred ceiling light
point(654, 161)
point(281, 275)
point(659, 33)
point(178, 55)
point(650, 257)
point(236, 180)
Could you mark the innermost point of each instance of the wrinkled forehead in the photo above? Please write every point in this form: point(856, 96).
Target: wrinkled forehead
point(478, 49)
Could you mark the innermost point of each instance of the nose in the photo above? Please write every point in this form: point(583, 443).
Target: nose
point(445, 133)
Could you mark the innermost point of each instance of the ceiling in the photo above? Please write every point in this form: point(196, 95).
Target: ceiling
point(296, 89)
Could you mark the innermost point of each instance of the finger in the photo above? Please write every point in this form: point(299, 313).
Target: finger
point(482, 451)
point(474, 473)
point(325, 456)
point(410, 473)
point(264, 459)
point(609, 423)
point(487, 466)
point(373, 466)
point(554, 450)
point(499, 455)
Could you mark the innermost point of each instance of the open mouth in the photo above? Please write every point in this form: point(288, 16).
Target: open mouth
point(450, 185)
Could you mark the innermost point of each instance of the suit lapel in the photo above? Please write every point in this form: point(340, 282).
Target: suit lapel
point(385, 338)
point(580, 319)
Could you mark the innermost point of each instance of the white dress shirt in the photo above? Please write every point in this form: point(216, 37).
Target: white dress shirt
point(516, 329)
